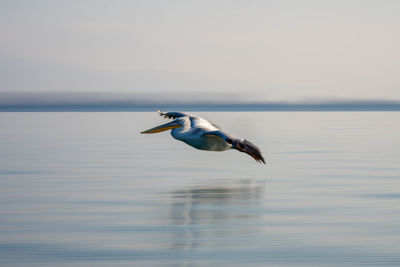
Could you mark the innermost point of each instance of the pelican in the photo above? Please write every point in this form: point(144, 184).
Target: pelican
point(204, 135)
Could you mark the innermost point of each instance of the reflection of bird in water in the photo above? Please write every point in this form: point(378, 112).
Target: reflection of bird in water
point(213, 212)
point(202, 134)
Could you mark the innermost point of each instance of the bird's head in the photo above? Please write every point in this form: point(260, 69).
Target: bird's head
point(179, 122)
point(247, 147)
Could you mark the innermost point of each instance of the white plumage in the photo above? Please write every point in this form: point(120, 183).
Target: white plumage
point(202, 134)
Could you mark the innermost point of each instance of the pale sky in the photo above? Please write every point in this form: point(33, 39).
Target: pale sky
point(251, 50)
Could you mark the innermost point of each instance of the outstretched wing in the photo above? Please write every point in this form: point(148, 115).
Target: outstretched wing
point(172, 115)
point(194, 120)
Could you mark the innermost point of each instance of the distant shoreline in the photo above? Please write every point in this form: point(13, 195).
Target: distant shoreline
point(81, 102)
point(137, 107)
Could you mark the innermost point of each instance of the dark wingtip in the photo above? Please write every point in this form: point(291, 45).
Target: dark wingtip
point(252, 150)
point(259, 159)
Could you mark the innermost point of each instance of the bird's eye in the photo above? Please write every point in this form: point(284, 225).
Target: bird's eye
point(229, 141)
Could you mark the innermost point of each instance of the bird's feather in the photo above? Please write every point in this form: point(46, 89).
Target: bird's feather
point(172, 115)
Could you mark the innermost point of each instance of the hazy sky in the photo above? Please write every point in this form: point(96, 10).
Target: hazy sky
point(263, 50)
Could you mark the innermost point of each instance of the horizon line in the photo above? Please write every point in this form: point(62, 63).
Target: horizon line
point(106, 101)
point(203, 106)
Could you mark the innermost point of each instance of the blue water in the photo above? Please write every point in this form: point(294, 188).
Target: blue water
point(87, 189)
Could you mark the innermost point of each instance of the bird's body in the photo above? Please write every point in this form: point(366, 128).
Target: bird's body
point(204, 135)
point(196, 132)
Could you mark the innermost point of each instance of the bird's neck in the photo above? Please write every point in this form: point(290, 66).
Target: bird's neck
point(179, 133)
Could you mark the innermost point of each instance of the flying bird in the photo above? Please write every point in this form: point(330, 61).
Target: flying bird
point(204, 135)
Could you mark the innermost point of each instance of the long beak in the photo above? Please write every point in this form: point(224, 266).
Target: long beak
point(251, 149)
point(162, 128)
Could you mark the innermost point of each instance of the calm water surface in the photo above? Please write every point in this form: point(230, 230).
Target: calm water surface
point(79, 189)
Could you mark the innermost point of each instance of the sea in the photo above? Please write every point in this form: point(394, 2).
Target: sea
point(87, 189)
